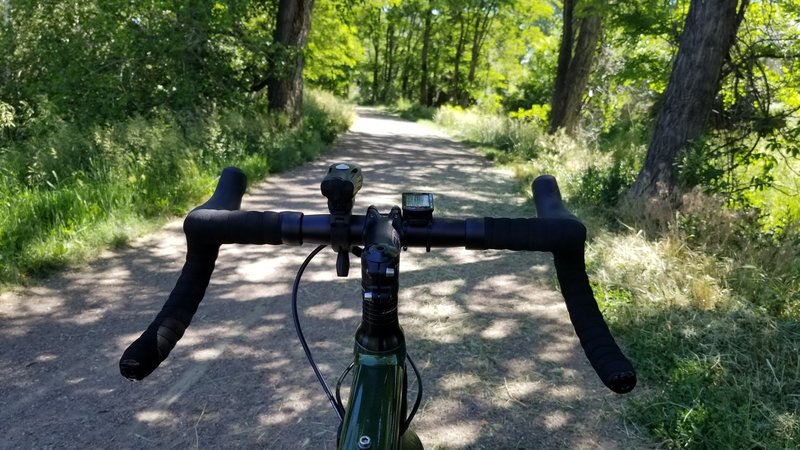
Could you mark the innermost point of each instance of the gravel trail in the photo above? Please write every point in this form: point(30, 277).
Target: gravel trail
point(500, 363)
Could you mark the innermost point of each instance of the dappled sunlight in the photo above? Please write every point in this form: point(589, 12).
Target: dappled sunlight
point(499, 329)
point(556, 420)
point(432, 292)
point(197, 334)
point(160, 416)
point(500, 363)
point(258, 270)
point(47, 302)
point(47, 357)
point(87, 317)
point(452, 434)
point(521, 366)
point(290, 407)
point(207, 354)
point(272, 365)
point(566, 392)
point(559, 351)
point(333, 310)
point(458, 381)
point(516, 392)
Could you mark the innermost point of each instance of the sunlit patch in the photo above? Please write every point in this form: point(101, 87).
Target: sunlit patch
point(153, 415)
point(207, 354)
point(290, 408)
point(516, 391)
point(556, 420)
point(520, 366)
point(453, 435)
point(114, 276)
point(439, 310)
point(46, 357)
point(275, 317)
point(499, 329)
point(87, 317)
point(259, 269)
point(458, 381)
point(22, 306)
point(168, 252)
point(566, 392)
point(273, 365)
point(503, 283)
point(332, 310)
point(558, 351)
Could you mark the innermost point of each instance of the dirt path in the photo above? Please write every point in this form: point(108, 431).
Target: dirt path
point(500, 363)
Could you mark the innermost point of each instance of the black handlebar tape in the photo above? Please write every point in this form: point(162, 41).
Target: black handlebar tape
point(229, 191)
point(613, 368)
point(554, 235)
point(565, 239)
point(237, 227)
point(145, 354)
point(547, 198)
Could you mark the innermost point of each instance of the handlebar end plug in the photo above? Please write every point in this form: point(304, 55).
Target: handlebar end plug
point(622, 382)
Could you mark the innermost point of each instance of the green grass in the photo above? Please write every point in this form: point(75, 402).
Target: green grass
point(67, 192)
point(412, 111)
point(706, 302)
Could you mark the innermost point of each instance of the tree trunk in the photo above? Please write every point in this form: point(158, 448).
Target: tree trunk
point(424, 96)
point(483, 19)
point(411, 47)
point(376, 70)
point(405, 78)
point(285, 87)
point(564, 58)
point(708, 34)
point(575, 61)
point(455, 88)
point(388, 73)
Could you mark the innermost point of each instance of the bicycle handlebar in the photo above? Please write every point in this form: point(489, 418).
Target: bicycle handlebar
point(218, 221)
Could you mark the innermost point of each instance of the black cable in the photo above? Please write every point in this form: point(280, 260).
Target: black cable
point(339, 383)
point(295, 317)
point(419, 396)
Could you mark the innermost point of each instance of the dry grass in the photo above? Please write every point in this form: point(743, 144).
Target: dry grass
point(705, 300)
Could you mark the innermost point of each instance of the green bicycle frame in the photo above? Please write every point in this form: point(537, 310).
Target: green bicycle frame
point(376, 411)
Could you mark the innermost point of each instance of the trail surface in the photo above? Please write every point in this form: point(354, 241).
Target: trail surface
point(500, 362)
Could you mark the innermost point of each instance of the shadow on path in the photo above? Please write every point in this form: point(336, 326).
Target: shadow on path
point(501, 366)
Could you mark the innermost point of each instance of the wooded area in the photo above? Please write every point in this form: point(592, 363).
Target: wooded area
point(691, 72)
point(677, 120)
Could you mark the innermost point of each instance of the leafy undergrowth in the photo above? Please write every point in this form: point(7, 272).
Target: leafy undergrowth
point(705, 301)
point(68, 192)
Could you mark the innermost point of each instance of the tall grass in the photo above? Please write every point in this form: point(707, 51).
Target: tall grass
point(708, 307)
point(68, 191)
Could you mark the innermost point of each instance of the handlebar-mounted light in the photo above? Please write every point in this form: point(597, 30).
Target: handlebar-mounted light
point(340, 186)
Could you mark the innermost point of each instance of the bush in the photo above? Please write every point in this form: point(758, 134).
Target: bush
point(413, 110)
point(68, 191)
point(707, 305)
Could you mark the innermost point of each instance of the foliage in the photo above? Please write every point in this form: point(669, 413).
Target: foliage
point(334, 50)
point(474, 47)
point(69, 190)
point(413, 111)
point(114, 113)
point(707, 309)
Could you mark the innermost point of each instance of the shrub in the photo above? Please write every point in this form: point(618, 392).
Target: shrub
point(69, 190)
